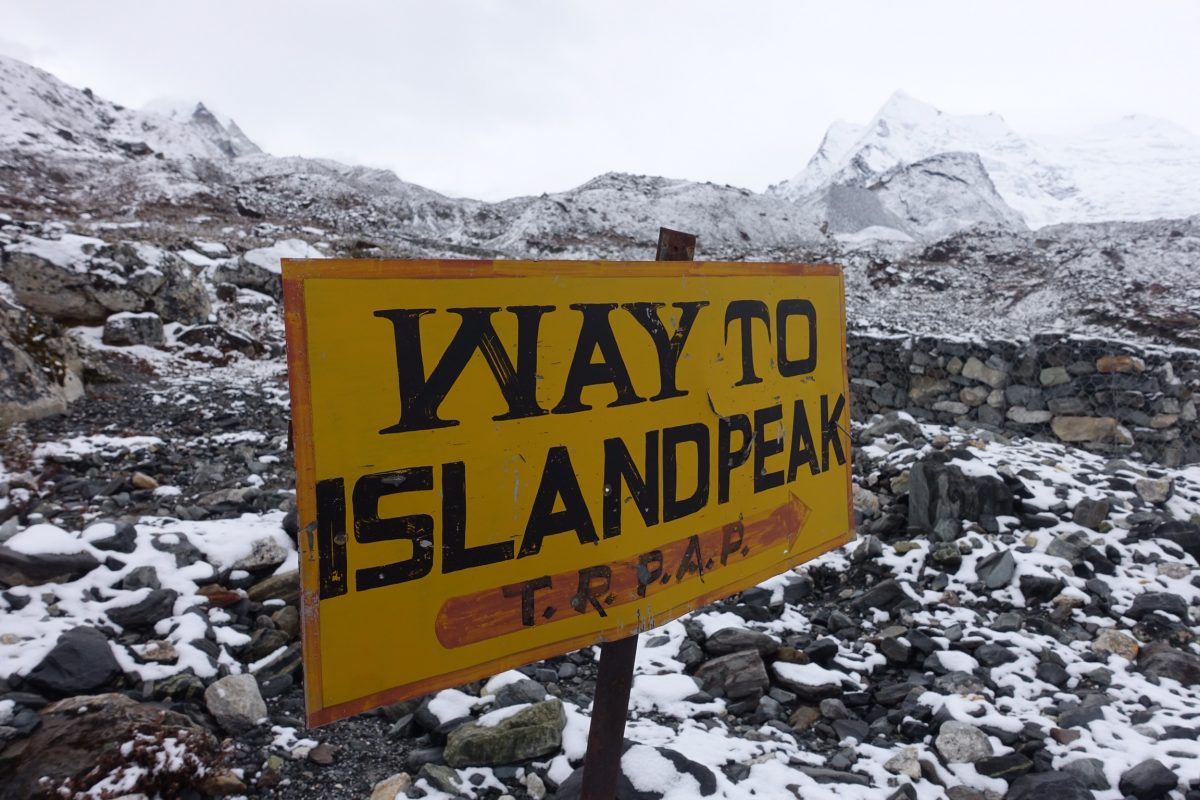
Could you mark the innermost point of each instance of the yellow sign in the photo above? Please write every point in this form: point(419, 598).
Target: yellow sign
point(503, 461)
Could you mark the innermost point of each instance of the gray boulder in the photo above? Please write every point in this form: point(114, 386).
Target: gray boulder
point(24, 569)
point(40, 369)
point(235, 702)
point(734, 676)
point(1167, 662)
point(731, 640)
point(1091, 513)
point(1043, 785)
point(82, 279)
point(940, 496)
point(81, 661)
point(127, 328)
point(532, 733)
point(1148, 780)
point(961, 742)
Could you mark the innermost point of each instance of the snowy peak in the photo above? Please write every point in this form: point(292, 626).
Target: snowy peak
point(904, 109)
point(931, 198)
point(1136, 168)
point(906, 130)
point(218, 128)
point(45, 117)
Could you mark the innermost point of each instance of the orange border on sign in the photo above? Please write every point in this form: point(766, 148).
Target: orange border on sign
point(296, 271)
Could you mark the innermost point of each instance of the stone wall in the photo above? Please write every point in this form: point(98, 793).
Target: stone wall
point(1106, 396)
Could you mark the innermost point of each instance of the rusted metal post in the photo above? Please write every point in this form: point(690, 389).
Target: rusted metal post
point(602, 762)
point(675, 245)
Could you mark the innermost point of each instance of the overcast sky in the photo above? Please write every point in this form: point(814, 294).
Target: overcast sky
point(494, 99)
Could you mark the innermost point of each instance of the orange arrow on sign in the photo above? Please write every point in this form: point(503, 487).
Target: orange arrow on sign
point(501, 610)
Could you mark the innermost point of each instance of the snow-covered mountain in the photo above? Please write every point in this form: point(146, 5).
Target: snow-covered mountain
point(914, 173)
point(1138, 168)
point(933, 215)
point(41, 115)
point(218, 127)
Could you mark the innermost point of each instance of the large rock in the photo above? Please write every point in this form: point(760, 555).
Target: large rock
point(810, 682)
point(127, 328)
point(1148, 780)
point(40, 369)
point(235, 702)
point(531, 733)
point(976, 370)
point(81, 739)
point(81, 661)
point(264, 555)
point(731, 640)
point(157, 604)
point(285, 587)
point(1162, 661)
point(885, 595)
point(961, 742)
point(1150, 602)
point(996, 570)
point(1046, 785)
point(940, 496)
point(34, 569)
point(1184, 535)
point(1100, 430)
point(734, 676)
point(82, 279)
point(259, 269)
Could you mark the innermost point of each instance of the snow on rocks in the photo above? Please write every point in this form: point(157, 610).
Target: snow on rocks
point(997, 648)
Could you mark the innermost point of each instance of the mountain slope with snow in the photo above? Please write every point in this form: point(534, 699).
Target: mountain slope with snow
point(1136, 169)
point(40, 114)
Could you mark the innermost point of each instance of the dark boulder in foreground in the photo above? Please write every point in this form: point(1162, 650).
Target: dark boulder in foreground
point(80, 662)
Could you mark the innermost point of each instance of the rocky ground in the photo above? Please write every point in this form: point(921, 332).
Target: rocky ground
point(1016, 619)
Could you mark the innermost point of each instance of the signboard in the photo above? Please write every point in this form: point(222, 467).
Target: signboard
point(501, 461)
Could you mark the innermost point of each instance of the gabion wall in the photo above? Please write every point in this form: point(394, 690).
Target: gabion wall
point(1107, 396)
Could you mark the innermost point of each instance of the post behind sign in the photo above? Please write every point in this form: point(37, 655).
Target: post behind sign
point(606, 736)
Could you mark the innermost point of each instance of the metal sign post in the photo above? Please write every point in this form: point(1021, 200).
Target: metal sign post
point(606, 736)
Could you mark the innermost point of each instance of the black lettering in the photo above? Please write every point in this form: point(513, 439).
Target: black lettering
point(693, 559)
point(764, 448)
point(730, 545)
point(420, 398)
point(416, 528)
point(668, 349)
point(801, 451)
point(525, 592)
point(596, 332)
point(331, 537)
point(590, 591)
point(783, 311)
point(558, 480)
point(455, 553)
point(696, 433)
point(829, 431)
point(747, 311)
point(649, 569)
point(619, 468)
point(730, 459)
